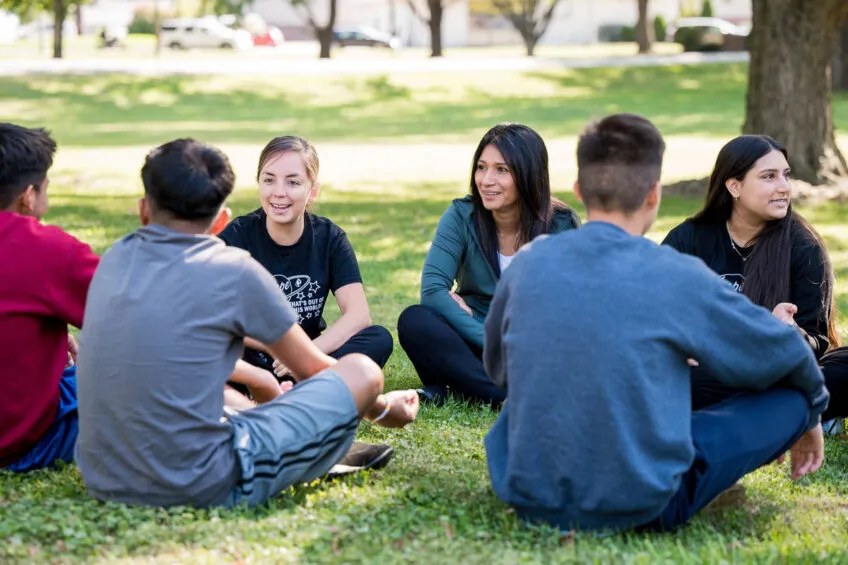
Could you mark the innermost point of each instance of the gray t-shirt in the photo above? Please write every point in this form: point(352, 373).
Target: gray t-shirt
point(165, 319)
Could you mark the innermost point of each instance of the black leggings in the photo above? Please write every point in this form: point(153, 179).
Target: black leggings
point(442, 358)
point(706, 390)
point(374, 341)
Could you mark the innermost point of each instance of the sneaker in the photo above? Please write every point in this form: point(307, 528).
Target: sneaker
point(362, 456)
point(834, 427)
point(432, 394)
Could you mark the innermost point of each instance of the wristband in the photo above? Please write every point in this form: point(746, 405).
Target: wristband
point(385, 411)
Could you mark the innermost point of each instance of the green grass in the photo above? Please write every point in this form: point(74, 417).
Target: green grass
point(118, 111)
point(110, 110)
point(433, 503)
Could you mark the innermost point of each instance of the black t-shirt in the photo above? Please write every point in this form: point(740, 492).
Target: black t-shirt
point(321, 261)
point(711, 243)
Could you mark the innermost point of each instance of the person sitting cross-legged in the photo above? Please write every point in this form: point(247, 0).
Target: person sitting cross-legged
point(166, 317)
point(750, 235)
point(509, 205)
point(593, 331)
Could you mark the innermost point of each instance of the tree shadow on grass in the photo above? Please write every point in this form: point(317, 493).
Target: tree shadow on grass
point(115, 110)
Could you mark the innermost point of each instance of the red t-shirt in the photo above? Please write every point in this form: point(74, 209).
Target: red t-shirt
point(44, 278)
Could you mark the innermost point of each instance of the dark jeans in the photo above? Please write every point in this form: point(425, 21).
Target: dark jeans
point(731, 439)
point(706, 390)
point(442, 358)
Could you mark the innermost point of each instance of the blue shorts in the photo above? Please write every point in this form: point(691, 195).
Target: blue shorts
point(57, 444)
point(296, 438)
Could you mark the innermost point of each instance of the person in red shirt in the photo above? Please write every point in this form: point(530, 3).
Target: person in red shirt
point(44, 279)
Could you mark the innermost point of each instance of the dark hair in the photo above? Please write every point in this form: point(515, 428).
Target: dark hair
point(26, 154)
point(527, 158)
point(767, 271)
point(288, 143)
point(188, 179)
point(619, 159)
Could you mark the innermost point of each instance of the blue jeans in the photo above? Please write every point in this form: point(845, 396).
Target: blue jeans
point(57, 444)
point(733, 438)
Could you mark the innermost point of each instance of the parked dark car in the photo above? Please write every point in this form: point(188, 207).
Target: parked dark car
point(365, 37)
point(708, 34)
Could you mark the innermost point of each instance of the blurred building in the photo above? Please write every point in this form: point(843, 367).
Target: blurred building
point(9, 27)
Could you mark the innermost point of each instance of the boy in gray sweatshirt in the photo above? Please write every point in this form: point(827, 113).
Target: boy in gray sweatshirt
point(594, 329)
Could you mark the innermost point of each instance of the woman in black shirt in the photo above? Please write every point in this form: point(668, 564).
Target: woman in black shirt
point(309, 255)
point(749, 235)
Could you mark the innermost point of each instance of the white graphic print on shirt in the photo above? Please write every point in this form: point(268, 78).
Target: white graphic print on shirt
point(302, 292)
point(736, 280)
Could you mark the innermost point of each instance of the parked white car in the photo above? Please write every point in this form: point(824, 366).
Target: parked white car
point(192, 33)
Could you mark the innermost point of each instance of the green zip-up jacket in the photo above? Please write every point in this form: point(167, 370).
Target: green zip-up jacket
point(456, 255)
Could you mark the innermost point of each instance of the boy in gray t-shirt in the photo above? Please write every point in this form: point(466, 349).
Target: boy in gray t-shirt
point(165, 321)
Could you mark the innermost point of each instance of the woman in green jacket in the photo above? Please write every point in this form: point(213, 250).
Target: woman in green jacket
point(477, 237)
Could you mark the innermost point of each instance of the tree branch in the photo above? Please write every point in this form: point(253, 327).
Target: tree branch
point(542, 26)
point(414, 9)
point(310, 15)
point(331, 22)
point(505, 8)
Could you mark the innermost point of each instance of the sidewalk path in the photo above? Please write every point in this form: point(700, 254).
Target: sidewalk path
point(265, 66)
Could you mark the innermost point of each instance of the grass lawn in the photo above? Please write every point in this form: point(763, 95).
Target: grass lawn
point(394, 152)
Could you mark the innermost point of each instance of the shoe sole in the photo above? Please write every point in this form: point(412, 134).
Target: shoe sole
point(339, 470)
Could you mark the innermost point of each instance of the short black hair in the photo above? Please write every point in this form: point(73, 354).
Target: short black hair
point(187, 179)
point(26, 154)
point(619, 159)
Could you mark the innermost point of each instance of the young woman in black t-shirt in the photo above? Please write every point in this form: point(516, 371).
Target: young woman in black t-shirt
point(309, 255)
point(749, 235)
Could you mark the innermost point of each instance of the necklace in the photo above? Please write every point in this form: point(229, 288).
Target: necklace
point(733, 244)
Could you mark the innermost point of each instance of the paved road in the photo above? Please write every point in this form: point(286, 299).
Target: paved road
point(264, 66)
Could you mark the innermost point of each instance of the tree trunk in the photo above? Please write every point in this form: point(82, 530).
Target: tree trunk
point(839, 62)
point(789, 82)
point(325, 34)
point(393, 18)
point(325, 39)
point(78, 19)
point(530, 42)
point(435, 25)
point(644, 29)
point(60, 10)
point(157, 27)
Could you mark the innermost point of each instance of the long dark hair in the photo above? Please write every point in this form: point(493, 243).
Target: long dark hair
point(527, 157)
point(767, 270)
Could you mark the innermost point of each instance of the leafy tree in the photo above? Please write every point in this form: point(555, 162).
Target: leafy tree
point(323, 33)
point(28, 9)
point(530, 18)
point(433, 19)
point(789, 88)
point(644, 29)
